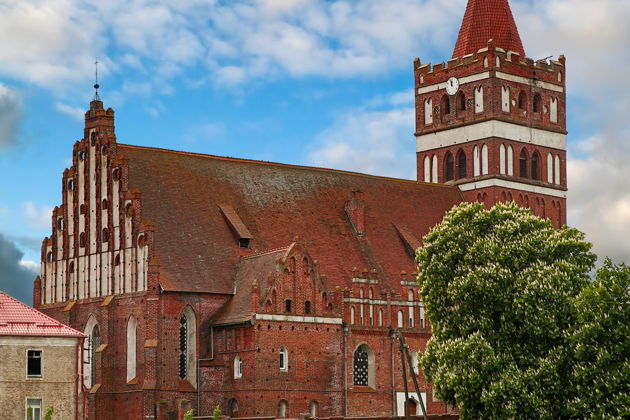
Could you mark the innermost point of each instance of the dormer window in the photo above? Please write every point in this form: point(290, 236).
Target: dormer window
point(237, 226)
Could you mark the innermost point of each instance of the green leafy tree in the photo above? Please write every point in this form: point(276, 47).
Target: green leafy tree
point(499, 286)
point(49, 413)
point(189, 415)
point(216, 414)
point(601, 339)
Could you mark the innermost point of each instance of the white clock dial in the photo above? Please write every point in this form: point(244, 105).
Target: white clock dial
point(452, 86)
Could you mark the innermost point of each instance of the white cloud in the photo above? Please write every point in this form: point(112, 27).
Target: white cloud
point(10, 115)
point(38, 217)
point(73, 112)
point(374, 141)
point(599, 197)
point(31, 266)
point(51, 43)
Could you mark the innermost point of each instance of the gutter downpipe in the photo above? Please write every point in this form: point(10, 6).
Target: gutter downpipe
point(83, 388)
point(77, 382)
point(211, 358)
point(393, 338)
point(345, 370)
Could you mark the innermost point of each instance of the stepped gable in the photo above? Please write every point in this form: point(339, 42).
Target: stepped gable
point(17, 318)
point(485, 20)
point(197, 249)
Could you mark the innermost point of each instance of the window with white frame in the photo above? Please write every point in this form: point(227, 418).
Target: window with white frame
point(284, 360)
point(33, 409)
point(400, 319)
point(238, 367)
point(34, 364)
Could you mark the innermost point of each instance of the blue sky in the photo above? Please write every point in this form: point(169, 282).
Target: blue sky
point(326, 83)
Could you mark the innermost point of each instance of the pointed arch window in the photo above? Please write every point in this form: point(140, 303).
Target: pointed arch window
point(535, 166)
point(131, 348)
point(445, 105)
point(461, 102)
point(522, 101)
point(461, 163)
point(363, 366)
point(450, 167)
point(187, 346)
point(93, 341)
point(537, 104)
point(238, 367)
point(183, 346)
point(523, 164)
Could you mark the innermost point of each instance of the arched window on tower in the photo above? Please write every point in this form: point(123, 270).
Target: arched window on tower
point(522, 101)
point(549, 168)
point(445, 105)
point(535, 166)
point(523, 164)
point(363, 367)
point(461, 163)
point(461, 102)
point(537, 104)
point(449, 167)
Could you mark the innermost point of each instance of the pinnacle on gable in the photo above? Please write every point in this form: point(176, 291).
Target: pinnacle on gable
point(485, 20)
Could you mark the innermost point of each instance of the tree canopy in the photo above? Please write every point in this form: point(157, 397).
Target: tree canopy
point(601, 340)
point(500, 288)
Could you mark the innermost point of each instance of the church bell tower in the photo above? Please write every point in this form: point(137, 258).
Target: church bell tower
point(491, 120)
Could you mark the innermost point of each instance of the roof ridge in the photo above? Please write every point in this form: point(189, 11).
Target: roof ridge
point(266, 252)
point(287, 165)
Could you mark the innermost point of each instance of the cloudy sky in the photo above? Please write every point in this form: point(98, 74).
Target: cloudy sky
point(326, 83)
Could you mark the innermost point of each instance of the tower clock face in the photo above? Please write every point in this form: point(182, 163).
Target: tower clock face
point(452, 86)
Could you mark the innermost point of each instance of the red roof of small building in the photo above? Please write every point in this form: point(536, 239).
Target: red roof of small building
point(197, 250)
point(485, 20)
point(17, 318)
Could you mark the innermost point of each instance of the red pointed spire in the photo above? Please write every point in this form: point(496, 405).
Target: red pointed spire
point(485, 20)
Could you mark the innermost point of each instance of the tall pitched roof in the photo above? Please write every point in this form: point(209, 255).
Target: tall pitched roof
point(196, 247)
point(485, 20)
point(17, 318)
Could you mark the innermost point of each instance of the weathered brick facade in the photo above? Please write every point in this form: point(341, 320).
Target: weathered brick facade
point(278, 290)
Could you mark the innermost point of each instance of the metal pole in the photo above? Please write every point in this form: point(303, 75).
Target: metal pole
point(413, 376)
point(404, 374)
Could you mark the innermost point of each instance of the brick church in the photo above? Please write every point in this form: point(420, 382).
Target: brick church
point(276, 290)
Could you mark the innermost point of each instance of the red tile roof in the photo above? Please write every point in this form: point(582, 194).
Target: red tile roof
point(197, 250)
point(254, 268)
point(485, 20)
point(17, 318)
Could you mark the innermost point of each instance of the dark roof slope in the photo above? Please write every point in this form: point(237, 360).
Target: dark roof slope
point(485, 20)
point(198, 251)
